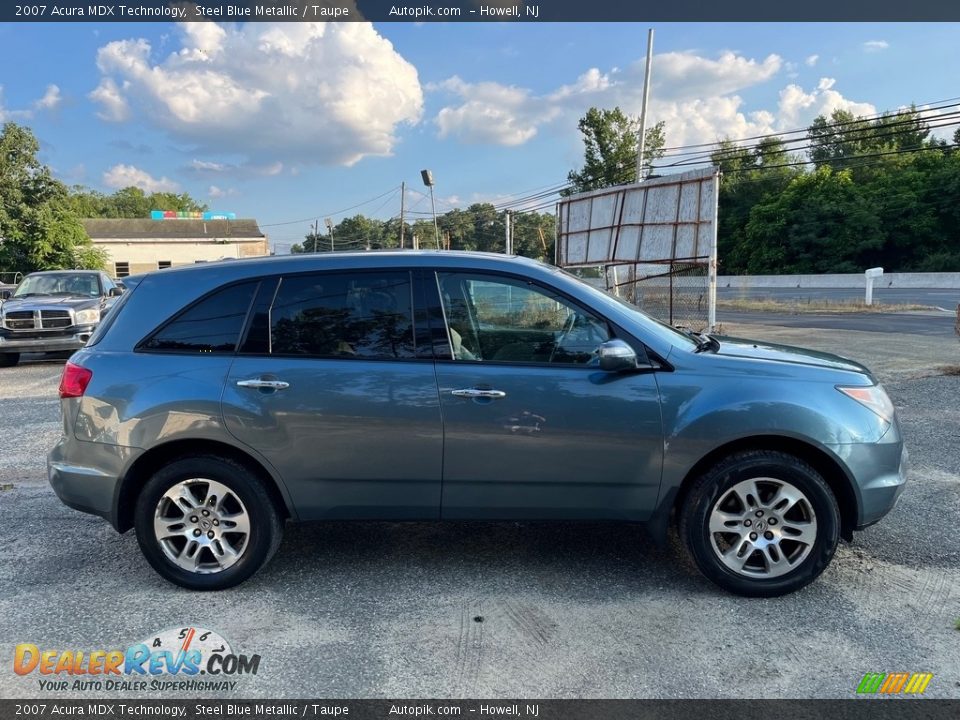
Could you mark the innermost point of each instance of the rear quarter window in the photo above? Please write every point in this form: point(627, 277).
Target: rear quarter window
point(211, 325)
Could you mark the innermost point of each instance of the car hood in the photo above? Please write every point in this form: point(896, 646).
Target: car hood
point(757, 350)
point(50, 303)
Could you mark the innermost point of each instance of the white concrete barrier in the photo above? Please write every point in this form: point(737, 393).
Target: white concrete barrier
point(842, 280)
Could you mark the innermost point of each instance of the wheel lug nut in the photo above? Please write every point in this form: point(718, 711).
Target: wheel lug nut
point(753, 536)
point(759, 513)
point(768, 535)
point(210, 534)
point(216, 522)
point(196, 533)
point(193, 518)
point(748, 523)
point(773, 521)
point(206, 512)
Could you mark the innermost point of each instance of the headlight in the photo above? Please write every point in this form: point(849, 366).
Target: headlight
point(88, 317)
point(873, 397)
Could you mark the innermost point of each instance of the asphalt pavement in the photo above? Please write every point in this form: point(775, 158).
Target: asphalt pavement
point(940, 324)
point(499, 610)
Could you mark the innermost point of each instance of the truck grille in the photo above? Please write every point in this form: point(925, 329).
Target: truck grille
point(37, 320)
point(53, 319)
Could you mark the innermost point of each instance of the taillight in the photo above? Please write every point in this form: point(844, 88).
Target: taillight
point(74, 381)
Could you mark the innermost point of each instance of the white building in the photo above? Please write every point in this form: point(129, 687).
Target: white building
point(136, 246)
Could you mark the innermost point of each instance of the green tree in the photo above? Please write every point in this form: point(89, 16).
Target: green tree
point(38, 228)
point(820, 223)
point(610, 149)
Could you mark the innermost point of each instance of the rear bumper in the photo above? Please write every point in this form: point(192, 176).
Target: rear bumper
point(85, 476)
point(9, 342)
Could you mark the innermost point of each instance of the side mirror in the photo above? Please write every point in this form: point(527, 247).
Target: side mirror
point(115, 292)
point(617, 356)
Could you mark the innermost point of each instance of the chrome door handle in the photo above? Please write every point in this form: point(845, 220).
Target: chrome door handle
point(478, 393)
point(264, 384)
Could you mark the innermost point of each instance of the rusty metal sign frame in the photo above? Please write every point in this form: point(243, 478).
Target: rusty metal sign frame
point(686, 224)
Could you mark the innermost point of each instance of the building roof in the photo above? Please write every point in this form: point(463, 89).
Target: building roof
point(146, 229)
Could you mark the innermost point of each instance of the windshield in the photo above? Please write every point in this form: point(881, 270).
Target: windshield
point(63, 284)
point(666, 329)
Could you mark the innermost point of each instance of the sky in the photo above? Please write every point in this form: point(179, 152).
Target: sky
point(290, 122)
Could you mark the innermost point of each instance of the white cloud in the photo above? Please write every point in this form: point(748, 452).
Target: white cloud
point(121, 176)
point(217, 192)
point(698, 98)
point(875, 45)
point(491, 113)
point(295, 93)
point(811, 60)
point(113, 104)
point(682, 82)
point(49, 101)
point(798, 108)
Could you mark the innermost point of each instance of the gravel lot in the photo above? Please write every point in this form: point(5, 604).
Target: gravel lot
point(391, 610)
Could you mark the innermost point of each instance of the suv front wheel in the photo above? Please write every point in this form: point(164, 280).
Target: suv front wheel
point(206, 523)
point(761, 523)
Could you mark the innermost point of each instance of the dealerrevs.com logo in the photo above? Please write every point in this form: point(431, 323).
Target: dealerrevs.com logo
point(188, 659)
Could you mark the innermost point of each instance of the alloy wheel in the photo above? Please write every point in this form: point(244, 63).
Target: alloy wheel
point(762, 527)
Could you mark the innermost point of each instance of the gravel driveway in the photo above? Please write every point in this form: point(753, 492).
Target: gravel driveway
point(498, 610)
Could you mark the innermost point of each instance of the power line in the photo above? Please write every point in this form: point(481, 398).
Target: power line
point(336, 212)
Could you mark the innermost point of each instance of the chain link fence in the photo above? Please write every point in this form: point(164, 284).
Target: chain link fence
point(675, 292)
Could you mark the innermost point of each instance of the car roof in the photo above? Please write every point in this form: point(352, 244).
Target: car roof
point(362, 258)
point(64, 272)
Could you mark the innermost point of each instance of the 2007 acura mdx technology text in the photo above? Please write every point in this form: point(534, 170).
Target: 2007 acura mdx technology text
point(217, 401)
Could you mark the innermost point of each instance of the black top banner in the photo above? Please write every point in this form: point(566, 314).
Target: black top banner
point(645, 11)
point(125, 709)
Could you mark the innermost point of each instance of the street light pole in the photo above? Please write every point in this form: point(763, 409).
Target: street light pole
point(329, 223)
point(428, 181)
point(643, 106)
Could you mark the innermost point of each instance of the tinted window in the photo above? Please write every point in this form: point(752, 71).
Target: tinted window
point(362, 315)
point(212, 325)
point(507, 320)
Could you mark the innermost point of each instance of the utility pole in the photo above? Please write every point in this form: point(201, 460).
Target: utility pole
point(316, 236)
point(329, 224)
point(641, 146)
point(403, 194)
point(508, 238)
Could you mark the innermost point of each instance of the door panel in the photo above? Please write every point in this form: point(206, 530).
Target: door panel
point(563, 442)
point(350, 438)
point(550, 435)
point(334, 396)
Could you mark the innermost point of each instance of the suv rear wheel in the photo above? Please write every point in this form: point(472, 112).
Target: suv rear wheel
point(9, 359)
point(206, 523)
point(761, 523)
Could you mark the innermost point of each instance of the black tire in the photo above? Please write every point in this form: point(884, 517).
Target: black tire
point(712, 486)
point(266, 528)
point(9, 359)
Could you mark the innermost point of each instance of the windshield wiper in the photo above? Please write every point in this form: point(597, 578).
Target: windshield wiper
point(31, 294)
point(706, 342)
point(703, 341)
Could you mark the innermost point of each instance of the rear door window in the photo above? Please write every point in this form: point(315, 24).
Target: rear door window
point(344, 315)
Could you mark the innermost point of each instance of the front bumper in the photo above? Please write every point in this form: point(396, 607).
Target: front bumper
point(10, 343)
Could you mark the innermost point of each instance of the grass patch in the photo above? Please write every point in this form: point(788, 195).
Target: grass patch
point(953, 370)
point(956, 624)
point(814, 306)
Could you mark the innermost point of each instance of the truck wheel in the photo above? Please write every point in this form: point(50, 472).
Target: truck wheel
point(206, 523)
point(9, 359)
point(761, 523)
